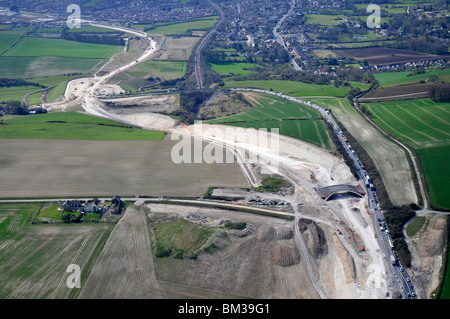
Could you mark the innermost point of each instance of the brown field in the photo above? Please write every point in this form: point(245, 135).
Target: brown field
point(178, 49)
point(397, 93)
point(51, 168)
point(128, 268)
point(380, 55)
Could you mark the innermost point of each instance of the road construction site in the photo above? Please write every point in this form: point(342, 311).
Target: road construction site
point(334, 240)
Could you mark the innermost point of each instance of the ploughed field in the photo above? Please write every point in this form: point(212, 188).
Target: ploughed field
point(51, 168)
point(425, 126)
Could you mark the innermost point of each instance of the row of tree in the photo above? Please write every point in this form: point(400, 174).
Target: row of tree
point(5, 82)
point(93, 38)
point(440, 93)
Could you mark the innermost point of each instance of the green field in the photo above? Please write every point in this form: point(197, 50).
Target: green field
point(435, 166)
point(425, 126)
point(34, 258)
point(292, 88)
point(15, 93)
point(324, 19)
point(179, 238)
point(182, 27)
point(32, 47)
point(73, 126)
point(52, 80)
point(420, 123)
point(56, 92)
point(387, 79)
point(6, 40)
point(290, 118)
point(37, 67)
point(234, 68)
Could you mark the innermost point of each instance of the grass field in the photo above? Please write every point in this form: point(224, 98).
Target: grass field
point(30, 46)
point(72, 126)
point(38, 67)
point(292, 119)
point(179, 238)
point(387, 79)
point(324, 19)
point(425, 126)
point(435, 166)
point(420, 123)
point(34, 259)
point(387, 156)
point(6, 40)
point(234, 68)
point(182, 27)
point(291, 87)
point(56, 92)
point(15, 93)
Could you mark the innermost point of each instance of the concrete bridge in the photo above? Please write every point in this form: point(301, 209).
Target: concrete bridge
point(328, 191)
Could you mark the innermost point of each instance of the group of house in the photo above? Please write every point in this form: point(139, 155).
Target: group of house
point(91, 206)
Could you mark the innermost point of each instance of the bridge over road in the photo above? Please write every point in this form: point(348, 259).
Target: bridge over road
point(328, 191)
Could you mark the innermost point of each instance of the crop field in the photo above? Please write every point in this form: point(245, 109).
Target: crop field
point(6, 40)
point(180, 28)
point(52, 80)
point(75, 168)
point(292, 119)
point(56, 92)
point(73, 126)
point(387, 79)
point(420, 123)
point(34, 259)
point(15, 93)
point(31, 47)
point(292, 88)
point(382, 55)
point(389, 159)
point(311, 131)
point(325, 19)
point(234, 68)
point(425, 126)
point(37, 67)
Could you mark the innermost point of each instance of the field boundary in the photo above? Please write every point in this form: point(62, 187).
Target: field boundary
point(417, 172)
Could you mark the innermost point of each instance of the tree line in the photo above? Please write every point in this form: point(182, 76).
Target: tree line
point(5, 82)
point(93, 38)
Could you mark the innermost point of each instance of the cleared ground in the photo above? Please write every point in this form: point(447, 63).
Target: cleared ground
point(227, 271)
point(176, 49)
point(390, 161)
point(42, 168)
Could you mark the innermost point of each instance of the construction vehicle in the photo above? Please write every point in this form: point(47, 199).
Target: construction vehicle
point(393, 259)
point(311, 175)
